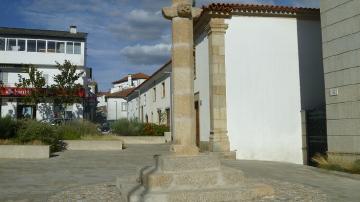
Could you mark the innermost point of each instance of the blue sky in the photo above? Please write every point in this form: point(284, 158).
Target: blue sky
point(125, 36)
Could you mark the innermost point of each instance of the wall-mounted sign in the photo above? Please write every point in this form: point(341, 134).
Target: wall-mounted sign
point(334, 91)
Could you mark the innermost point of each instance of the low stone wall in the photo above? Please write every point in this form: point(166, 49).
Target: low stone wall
point(94, 145)
point(25, 151)
point(146, 139)
point(143, 139)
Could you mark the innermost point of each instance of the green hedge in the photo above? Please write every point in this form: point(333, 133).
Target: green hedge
point(26, 131)
point(135, 128)
point(74, 130)
point(7, 128)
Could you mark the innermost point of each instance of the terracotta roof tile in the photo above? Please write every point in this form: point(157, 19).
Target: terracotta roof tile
point(121, 94)
point(228, 8)
point(133, 76)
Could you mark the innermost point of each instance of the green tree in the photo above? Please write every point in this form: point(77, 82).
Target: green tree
point(36, 82)
point(65, 86)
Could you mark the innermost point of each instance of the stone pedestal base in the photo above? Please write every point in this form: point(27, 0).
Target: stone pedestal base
point(192, 178)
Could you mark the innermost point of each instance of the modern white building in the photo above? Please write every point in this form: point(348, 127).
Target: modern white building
point(150, 101)
point(273, 71)
point(116, 102)
point(41, 48)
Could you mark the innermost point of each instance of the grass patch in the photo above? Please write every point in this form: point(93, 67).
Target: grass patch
point(337, 163)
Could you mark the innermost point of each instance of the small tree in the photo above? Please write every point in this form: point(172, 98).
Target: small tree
point(65, 85)
point(36, 82)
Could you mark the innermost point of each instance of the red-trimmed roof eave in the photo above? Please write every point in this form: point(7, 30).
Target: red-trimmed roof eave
point(121, 94)
point(157, 71)
point(134, 77)
point(228, 8)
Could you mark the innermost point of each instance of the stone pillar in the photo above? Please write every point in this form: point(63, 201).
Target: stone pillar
point(181, 13)
point(219, 141)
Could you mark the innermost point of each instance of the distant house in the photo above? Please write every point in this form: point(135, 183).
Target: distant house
point(116, 102)
point(129, 81)
point(150, 101)
point(42, 48)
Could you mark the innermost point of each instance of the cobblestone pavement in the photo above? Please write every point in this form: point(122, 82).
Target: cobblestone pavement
point(90, 176)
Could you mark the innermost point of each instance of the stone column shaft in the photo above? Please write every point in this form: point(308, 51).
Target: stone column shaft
point(219, 141)
point(181, 13)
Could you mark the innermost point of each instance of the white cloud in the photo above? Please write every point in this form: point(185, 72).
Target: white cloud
point(147, 54)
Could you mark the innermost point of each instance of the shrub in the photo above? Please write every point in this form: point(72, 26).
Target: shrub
point(152, 129)
point(74, 130)
point(31, 130)
point(126, 127)
point(7, 128)
point(135, 128)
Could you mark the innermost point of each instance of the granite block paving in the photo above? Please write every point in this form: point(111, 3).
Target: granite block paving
point(90, 176)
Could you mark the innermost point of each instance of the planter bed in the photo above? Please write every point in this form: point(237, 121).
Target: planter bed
point(93, 145)
point(25, 151)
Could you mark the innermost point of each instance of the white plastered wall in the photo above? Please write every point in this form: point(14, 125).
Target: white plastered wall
point(263, 88)
point(201, 85)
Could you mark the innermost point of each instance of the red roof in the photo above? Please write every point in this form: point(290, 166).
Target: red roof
point(102, 93)
point(120, 94)
point(228, 8)
point(133, 77)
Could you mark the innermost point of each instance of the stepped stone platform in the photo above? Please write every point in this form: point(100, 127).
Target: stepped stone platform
point(192, 178)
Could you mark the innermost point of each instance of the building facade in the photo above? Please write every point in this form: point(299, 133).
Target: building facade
point(41, 48)
point(257, 68)
point(340, 21)
point(150, 102)
point(116, 101)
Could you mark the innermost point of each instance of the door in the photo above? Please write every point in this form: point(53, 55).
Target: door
point(197, 119)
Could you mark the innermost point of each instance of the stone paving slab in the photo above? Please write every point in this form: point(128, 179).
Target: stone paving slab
point(78, 173)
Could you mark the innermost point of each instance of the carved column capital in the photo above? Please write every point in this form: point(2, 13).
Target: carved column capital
point(217, 25)
point(183, 10)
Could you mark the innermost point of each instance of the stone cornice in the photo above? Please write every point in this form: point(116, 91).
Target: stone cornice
point(227, 11)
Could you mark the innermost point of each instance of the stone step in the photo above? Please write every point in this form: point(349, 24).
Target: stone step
point(224, 176)
point(172, 163)
point(227, 194)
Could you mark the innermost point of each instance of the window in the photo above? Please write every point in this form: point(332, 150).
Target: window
point(60, 47)
point(21, 44)
point(31, 45)
point(154, 94)
point(163, 89)
point(123, 106)
point(77, 48)
point(2, 44)
point(51, 46)
point(69, 47)
point(11, 45)
point(46, 77)
point(159, 116)
point(144, 100)
point(3, 77)
point(41, 46)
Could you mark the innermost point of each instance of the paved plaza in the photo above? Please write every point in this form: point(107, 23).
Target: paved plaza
point(40, 180)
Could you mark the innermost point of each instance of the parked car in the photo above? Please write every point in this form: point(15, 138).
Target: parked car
point(104, 128)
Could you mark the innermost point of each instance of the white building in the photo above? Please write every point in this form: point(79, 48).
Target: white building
point(150, 101)
point(273, 71)
point(116, 102)
point(42, 48)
